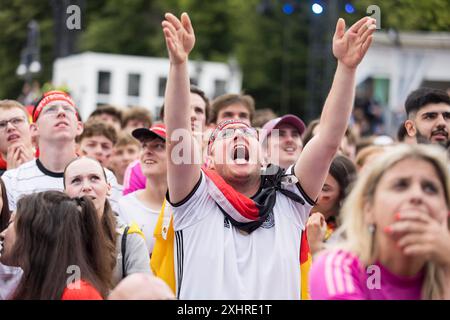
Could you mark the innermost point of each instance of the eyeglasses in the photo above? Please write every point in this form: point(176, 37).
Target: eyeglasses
point(230, 132)
point(55, 109)
point(16, 122)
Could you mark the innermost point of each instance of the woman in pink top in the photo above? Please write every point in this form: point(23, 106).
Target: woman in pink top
point(133, 179)
point(395, 232)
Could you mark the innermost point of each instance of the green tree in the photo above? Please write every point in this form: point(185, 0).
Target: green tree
point(271, 47)
point(410, 15)
point(214, 22)
point(131, 27)
point(14, 18)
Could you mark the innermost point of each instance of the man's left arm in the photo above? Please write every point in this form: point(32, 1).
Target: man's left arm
point(349, 48)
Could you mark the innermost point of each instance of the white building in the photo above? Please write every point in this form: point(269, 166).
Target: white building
point(121, 80)
point(399, 63)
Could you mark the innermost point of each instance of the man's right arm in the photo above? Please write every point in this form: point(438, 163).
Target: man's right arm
point(182, 174)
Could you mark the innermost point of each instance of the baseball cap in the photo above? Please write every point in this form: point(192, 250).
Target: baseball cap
point(157, 130)
point(49, 97)
point(294, 121)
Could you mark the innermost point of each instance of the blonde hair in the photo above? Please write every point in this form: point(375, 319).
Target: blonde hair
point(365, 153)
point(125, 139)
point(354, 230)
point(11, 104)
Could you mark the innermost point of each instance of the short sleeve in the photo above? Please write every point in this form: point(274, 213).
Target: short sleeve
point(337, 275)
point(295, 186)
point(137, 259)
point(186, 212)
point(292, 184)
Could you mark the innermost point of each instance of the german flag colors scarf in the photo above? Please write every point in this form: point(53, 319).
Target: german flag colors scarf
point(243, 212)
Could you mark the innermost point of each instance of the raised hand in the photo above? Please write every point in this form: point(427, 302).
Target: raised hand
point(18, 155)
point(316, 229)
point(350, 46)
point(180, 37)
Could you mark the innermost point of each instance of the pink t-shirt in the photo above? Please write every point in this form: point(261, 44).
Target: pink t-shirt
point(133, 178)
point(340, 275)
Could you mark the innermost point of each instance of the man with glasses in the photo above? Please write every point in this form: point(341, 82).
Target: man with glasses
point(55, 125)
point(16, 146)
point(238, 232)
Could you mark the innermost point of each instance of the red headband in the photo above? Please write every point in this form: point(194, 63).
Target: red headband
point(220, 127)
point(49, 97)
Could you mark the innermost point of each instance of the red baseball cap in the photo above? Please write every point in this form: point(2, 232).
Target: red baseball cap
point(157, 130)
point(294, 121)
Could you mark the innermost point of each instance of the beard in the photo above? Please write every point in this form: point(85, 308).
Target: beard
point(422, 139)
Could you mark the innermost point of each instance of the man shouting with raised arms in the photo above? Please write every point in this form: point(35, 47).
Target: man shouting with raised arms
point(238, 229)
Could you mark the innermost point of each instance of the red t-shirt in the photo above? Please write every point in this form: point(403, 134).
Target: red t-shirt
point(81, 290)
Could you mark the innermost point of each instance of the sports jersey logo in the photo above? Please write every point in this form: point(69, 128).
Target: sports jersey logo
point(269, 222)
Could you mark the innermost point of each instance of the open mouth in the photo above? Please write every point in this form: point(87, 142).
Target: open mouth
point(240, 154)
point(13, 137)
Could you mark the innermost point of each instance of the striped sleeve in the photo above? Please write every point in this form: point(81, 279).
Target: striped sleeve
point(337, 275)
point(10, 185)
point(186, 212)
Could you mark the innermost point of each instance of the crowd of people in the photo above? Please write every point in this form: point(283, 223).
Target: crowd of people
point(218, 201)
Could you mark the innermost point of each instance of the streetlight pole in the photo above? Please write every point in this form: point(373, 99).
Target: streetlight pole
point(30, 56)
point(321, 63)
point(65, 39)
point(285, 69)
